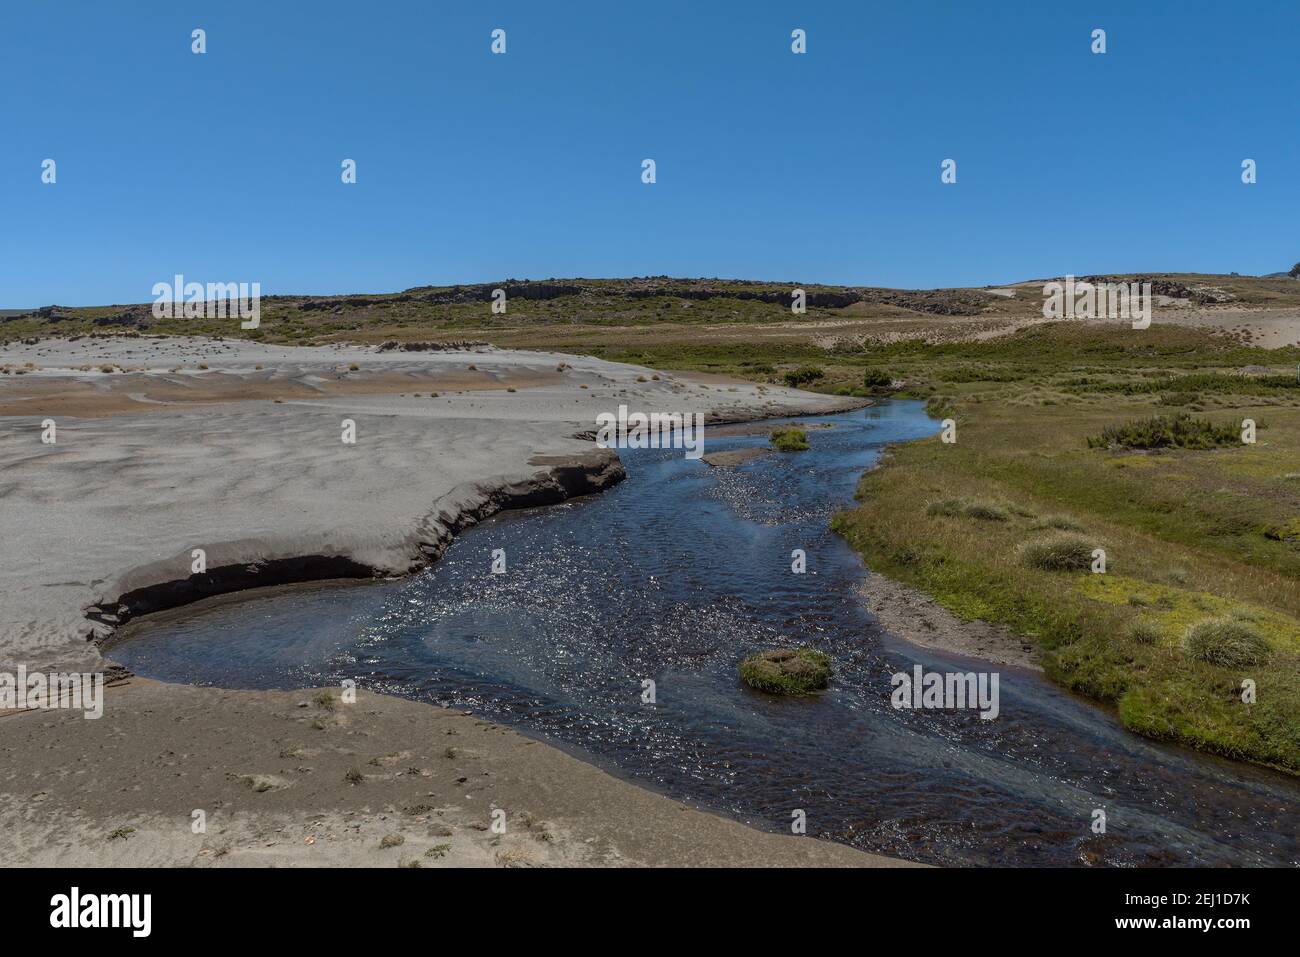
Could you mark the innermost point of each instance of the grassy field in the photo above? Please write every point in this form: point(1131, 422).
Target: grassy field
point(1001, 524)
point(1189, 534)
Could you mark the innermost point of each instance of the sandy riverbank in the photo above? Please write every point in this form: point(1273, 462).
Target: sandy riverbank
point(152, 463)
point(283, 781)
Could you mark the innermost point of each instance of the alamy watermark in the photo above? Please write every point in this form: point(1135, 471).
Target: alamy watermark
point(215, 300)
point(1073, 299)
point(35, 690)
point(946, 690)
point(651, 430)
point(75, 909)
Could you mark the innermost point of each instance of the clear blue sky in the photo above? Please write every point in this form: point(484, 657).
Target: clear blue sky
point(473, 167)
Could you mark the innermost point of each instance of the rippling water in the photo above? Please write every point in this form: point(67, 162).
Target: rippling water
point(674, 576)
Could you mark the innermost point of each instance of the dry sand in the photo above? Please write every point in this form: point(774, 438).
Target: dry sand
point(153, 463)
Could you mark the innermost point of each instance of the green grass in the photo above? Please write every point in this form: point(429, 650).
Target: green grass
point(1192, 535)
point(787, 671)
point(790, 440)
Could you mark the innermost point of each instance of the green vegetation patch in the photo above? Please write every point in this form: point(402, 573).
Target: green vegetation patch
point(1199, 536)
point(790, 440)
point(969, 508)
point(1174, 611)
point(1177, 431)
point(803, 375)
point(1065, 552)
point(1227, 642)
point(787, 671)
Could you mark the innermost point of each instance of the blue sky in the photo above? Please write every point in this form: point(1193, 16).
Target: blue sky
point(472, 167)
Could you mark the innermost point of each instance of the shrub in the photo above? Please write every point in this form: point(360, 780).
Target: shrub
point(792, 671)
point(803, 375)
point(1059, 553)
point(876, 379)
point(1226, 642)
point(1178, 431)
point(939, 407)
point(790, 440)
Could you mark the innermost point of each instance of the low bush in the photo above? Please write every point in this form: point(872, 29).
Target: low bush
point(1178, 431)
point(803, 375)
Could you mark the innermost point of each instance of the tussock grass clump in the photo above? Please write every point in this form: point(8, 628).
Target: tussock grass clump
point(969, 508)
point(987, 511)
point(1178, 431)
point(1062, 523)
point(1058, 553)
point(1144, 632)
point(790, 440)
point(1228, 642)
point(789, 671)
